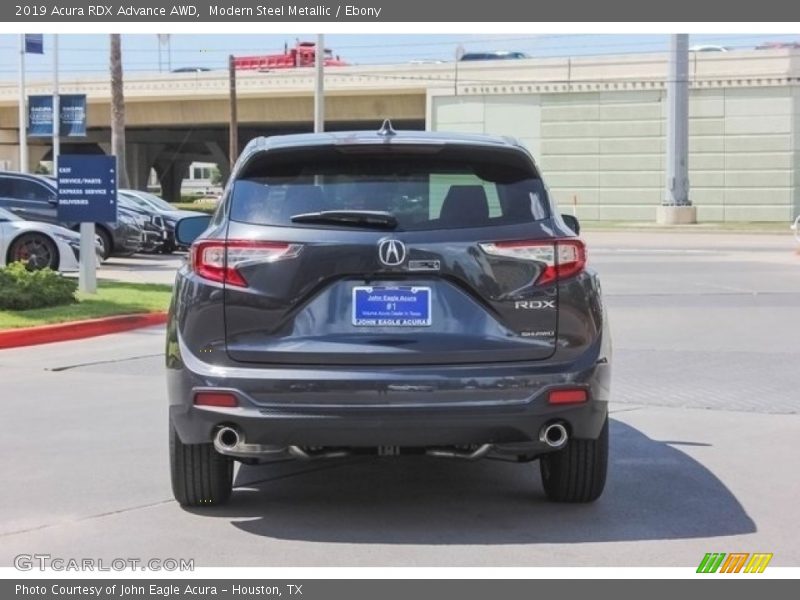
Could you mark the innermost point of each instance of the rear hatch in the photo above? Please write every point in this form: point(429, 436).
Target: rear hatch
point(388, 254)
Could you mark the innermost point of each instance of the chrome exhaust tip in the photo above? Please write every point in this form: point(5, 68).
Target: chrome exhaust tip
point(554, 435)
point(226, 439)
point(230, 442)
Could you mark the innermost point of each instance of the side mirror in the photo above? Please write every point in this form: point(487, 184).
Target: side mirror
point(572, 222)
point(52, 200)
point(188, 229)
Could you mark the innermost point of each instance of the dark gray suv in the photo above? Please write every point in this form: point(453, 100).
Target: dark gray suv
point(386, 293)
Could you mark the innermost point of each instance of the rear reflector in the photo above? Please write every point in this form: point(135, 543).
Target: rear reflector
point(215, 399)
point(572, 396)
point(561, 258)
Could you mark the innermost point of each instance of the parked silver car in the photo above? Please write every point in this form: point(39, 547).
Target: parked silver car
point(39, 245)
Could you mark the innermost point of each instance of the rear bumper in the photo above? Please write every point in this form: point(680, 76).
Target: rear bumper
point(408, 427)
point(420, 406)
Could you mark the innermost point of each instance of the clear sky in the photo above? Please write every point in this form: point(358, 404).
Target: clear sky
point(88, 54)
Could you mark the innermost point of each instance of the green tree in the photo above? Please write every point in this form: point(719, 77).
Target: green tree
point(216, 176)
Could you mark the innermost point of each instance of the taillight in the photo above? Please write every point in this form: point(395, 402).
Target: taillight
point(561, 258)
point(219, 260)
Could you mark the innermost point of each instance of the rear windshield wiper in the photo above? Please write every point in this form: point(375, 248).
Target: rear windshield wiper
point(355, 218)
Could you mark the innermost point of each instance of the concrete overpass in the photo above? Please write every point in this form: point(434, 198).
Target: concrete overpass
point(178, 118)
point(595, 123)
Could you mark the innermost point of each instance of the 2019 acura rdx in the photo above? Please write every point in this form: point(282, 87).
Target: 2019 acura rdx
point(386, 292)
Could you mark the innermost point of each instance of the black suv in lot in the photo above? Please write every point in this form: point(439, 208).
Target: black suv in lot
point(386, 292)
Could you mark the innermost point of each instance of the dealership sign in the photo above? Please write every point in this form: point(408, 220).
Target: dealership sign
point(87, 188)
point(72, 109)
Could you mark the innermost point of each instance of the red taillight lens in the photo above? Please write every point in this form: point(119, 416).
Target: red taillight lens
point(208, 260)
point(570, 258)
point(218, 260)
point(568, 396)
point(562, 258)
point(216, 399)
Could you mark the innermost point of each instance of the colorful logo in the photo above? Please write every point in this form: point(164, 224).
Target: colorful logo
point(736, 562)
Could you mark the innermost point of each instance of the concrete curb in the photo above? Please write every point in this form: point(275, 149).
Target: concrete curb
point(75, 330)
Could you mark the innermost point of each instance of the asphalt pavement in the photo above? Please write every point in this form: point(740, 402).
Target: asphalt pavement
point(704, 452)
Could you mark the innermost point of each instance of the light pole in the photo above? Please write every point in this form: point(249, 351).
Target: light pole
point(459, 55)
point(319, 85)
point(676, 208)
point(23, 129)
point(164, 39)
point(56, 108)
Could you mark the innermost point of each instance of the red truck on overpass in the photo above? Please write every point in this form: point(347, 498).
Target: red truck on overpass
point(302, 55)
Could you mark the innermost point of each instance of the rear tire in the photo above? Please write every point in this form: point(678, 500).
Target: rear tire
point(201, 476)
point(106, 243)
point(577, 473)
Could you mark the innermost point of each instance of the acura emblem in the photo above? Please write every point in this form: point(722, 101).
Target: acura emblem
point(392, 252)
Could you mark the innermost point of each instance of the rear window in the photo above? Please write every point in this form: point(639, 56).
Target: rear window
point(420, 192)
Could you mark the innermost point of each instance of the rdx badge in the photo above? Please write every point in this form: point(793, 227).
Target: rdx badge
point(534, 304)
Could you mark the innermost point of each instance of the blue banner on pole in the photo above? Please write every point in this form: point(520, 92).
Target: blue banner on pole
point(40, 116)
point(73, 115)
point(87, 188)
point(34, 43)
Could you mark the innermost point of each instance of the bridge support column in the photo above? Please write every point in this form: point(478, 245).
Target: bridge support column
point(140, 159)
point(171, 175)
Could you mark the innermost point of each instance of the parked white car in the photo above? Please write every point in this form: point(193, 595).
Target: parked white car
point(38, 244)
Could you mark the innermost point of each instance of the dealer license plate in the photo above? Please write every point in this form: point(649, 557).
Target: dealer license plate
point(376, 306)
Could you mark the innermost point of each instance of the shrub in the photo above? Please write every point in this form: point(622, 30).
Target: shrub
point(21, 289)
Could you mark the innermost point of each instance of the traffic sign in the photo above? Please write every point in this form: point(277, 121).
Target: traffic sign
point(87, 188)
